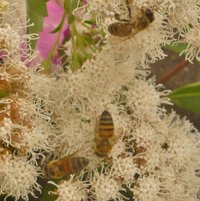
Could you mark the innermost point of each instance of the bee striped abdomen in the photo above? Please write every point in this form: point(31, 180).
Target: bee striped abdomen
point(60, 168)
point(54, 169)
point(103, 147)
point(106, 126)
point(74, 165)
point(120, 29)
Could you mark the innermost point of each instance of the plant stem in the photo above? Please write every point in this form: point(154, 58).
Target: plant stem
point(173, 72)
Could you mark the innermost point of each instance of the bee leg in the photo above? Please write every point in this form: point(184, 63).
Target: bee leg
point(117, 16)
point(71, 155)
point(128, 2)
point(97, 140)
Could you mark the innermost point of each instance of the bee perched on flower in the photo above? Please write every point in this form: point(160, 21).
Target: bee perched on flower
point(126, 28)
point(65, 166)
point(105, 135)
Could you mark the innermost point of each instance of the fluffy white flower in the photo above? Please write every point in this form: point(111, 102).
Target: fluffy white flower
point(5, 130)
point(71, 190)
point(18, 178)
point(9, 39)
point(118, 149)
point(146, 45)
point(124, 169)
point(3, 5)
point(154, 154)
point(105, 188)
point(192, 50)
point(151, 99)
point(24, 125)
point(148, 188)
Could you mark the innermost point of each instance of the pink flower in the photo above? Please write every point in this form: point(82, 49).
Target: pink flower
point(46, 38)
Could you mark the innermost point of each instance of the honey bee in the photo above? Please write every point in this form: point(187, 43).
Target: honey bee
point(137, 22)
point(65, 166)
point(105, 134)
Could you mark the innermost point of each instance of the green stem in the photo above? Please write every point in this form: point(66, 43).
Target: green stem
point(56, 44)
point(86, 26)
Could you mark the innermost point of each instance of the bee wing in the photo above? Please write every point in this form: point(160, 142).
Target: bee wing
point(129, 6)
point(96, 128)
point(133, 32)
point(70, 155)
point(120, 29)
point(133, 10)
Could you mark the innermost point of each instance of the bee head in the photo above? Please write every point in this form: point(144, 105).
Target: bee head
point(45, 171)
point(85, 161)
point(149, 14)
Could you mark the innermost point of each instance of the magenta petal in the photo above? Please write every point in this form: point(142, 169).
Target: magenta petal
point(55, 13)
point(46, 38)
point(66, 32)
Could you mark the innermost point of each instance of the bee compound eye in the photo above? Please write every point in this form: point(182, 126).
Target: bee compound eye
point(51, 172)
point(148, 12)
point(150, 15)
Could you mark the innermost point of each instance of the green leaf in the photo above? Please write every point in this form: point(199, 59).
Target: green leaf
point(88, 39)
point(75, 63)
point(36, 11)
point(2, 197)
point(49, 196)
point(74, 4)
point(60, 25)
point(46, 64)
point(4, 93)
point(67, 6)
point(57, 28)
point(177, 48)
point(70, 5)
point(187, 96)
point(90, 22)
point(71, 19)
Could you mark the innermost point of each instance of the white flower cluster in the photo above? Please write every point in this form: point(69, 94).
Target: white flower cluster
point(18, 177)
point(155, 156)
point(72, 189)
point(175, 21)
point(24, 124)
